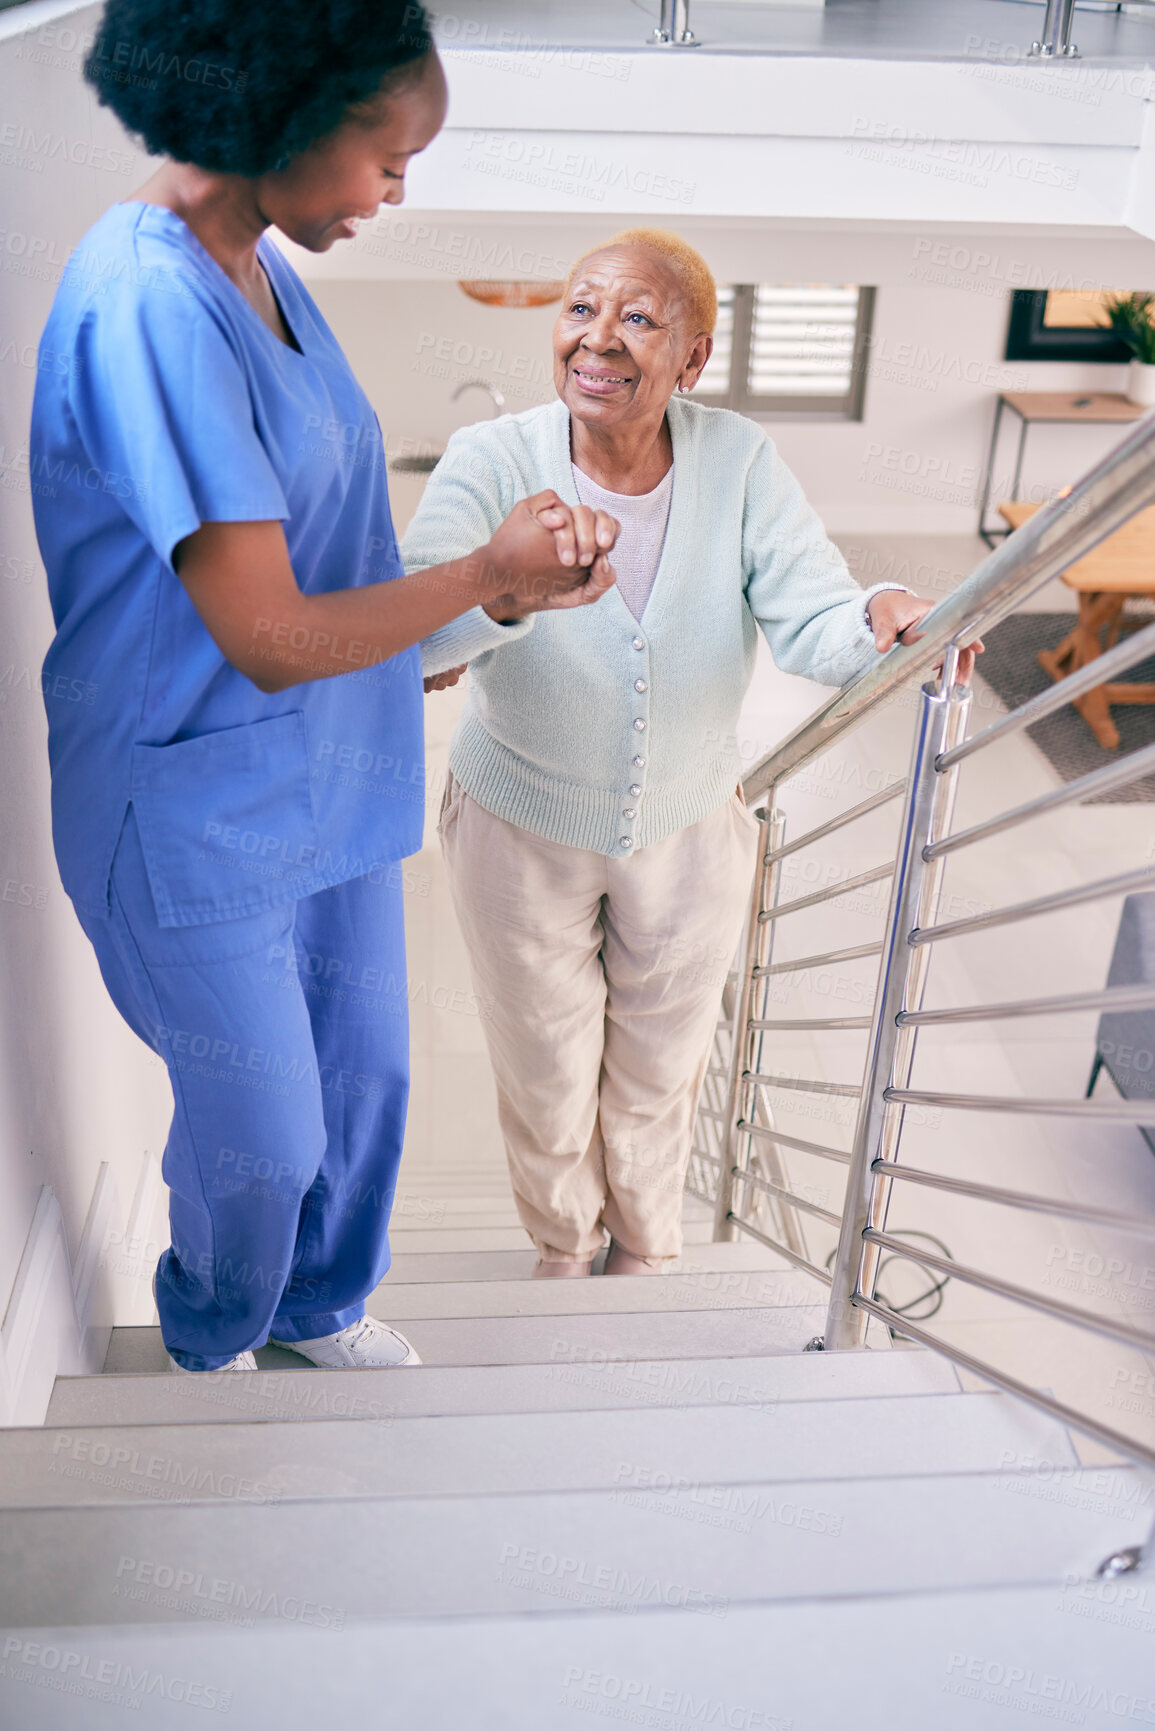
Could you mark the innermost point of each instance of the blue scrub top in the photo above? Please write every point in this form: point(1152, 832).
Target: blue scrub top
point(164, 401)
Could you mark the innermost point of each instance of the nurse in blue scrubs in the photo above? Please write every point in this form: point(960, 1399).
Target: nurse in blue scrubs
point(233, 798)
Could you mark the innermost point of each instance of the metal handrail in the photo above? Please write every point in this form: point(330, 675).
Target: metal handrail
point(1045, 545)
point(1051, 540)
point(1096, 672)
point(1017, 1198)
point(1053, 1307)
point(798, 1142)
point(810, 836)
point(797, 903)
point(1112, 998)
point(801, 963)
point(1097, 781)
point(785, 1195)
point(813, 1023)
point(803, 1085)
point(1121, 885)
point(1105, 1111)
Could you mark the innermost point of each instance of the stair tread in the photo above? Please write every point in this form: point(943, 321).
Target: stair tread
point(406, 1236)
point(409, 1266)
point(491, 1454)
point(305, 1393)
point(543, 1554)
point(767, 1665)
point(709, 1289)
point(546, 1339)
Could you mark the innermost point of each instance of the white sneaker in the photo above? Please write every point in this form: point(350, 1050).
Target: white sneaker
point(243, 1361)
point(364, 1345)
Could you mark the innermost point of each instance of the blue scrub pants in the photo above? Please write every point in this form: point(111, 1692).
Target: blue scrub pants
point(286, 1039)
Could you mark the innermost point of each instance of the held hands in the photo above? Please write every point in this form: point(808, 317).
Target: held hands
point(893, 613)
point(547, 555)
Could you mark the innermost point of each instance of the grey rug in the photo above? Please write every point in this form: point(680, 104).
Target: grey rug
point(1011, 669)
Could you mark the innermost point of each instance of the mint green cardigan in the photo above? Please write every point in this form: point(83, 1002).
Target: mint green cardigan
point(586, 726)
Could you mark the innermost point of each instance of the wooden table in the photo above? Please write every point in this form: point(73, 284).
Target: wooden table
point(1089, 408)
point(1119, 568)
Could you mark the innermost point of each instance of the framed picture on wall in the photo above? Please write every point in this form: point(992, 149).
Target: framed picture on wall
point(1062, 325)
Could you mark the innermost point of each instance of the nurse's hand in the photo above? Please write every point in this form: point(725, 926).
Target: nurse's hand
point(442, 681)
point(548, 555)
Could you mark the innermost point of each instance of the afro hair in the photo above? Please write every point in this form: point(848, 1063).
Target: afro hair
point(242, 86)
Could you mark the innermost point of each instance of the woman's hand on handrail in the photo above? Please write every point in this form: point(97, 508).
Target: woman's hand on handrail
point(893, 614)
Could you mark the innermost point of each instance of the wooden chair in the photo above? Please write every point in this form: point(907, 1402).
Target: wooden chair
point(1119, 569)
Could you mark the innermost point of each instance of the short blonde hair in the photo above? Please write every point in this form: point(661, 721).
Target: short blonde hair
point(694, 276)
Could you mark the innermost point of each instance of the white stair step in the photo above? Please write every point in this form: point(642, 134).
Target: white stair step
point(625, 1550)
point(548, 1340)
point(715, 1289)
point(914, 1662)
point(308, 1394)
point(408, 1235)
point(455, 1239)
point(521, 1452)
point(413, 1266)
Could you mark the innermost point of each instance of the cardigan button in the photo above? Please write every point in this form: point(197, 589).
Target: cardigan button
point(639, 725)
point(640, 685)
point(639, 643)
point(635, 788)
point(625, 842)
point(628, 811)
point(639, 763)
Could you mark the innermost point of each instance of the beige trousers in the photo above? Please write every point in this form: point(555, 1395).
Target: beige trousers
point(600, 981)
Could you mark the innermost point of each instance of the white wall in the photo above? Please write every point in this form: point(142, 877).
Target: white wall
point(78, 1092)
point(911, 466)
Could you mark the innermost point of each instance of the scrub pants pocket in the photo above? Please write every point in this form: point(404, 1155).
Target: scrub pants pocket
point(266, 1173)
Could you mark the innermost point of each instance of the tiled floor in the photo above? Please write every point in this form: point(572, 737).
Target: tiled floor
point(454, 1147)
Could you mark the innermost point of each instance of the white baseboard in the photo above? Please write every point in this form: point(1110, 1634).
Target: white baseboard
point(61, 1313)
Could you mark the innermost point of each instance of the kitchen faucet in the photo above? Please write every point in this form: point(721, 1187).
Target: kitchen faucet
point(491, 392)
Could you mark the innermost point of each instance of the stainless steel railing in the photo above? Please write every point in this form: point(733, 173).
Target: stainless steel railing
point(740, 1160)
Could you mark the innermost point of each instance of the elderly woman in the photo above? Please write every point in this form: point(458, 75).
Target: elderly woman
point(598, 852)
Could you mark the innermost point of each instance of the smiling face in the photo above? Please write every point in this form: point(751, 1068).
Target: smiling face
point(343, 179)
point(624, 340)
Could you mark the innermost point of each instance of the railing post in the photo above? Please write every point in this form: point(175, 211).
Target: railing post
point(766, 880)
point(1056, 33)
point(673, 26)
point(901, 981)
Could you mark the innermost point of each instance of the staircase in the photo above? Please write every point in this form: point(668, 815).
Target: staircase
point(632, 1499)
point(645, 1500)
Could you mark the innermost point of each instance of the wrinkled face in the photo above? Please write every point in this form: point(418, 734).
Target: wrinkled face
point(624, 339)
point(323, 193)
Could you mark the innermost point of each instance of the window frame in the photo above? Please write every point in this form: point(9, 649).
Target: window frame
point(772, 407)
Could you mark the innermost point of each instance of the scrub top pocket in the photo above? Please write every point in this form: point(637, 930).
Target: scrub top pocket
point(226, 821)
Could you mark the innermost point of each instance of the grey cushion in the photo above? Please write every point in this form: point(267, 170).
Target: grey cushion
point(1126, 1039)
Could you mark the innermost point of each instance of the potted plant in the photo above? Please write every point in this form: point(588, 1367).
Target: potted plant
point(1131, 318)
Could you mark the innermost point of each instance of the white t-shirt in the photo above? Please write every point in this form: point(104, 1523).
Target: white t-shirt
point(643, 517)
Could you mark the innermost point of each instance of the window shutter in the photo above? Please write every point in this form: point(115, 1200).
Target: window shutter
point(802, 342)
point(790, 350)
